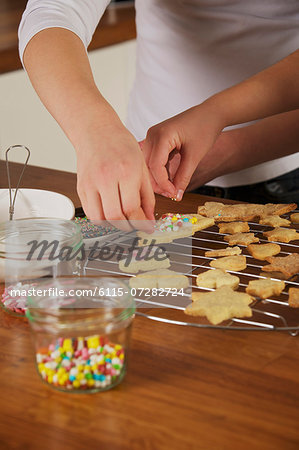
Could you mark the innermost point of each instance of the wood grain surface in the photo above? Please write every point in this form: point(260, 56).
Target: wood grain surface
point(117, 25)
point(185, 388)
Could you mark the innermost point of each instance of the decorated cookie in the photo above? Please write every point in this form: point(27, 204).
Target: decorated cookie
point(174, 226)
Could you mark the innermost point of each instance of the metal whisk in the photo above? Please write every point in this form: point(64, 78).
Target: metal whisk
point(12, 199)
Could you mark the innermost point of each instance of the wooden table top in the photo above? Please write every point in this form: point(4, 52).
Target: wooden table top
point(185, 388)
point(117, 25)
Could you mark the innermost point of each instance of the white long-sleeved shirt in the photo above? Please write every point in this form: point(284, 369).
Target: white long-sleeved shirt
point(187, 50)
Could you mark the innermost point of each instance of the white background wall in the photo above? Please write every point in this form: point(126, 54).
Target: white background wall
point(24, 120)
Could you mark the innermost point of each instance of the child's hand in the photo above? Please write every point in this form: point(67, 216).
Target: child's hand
point(174, 148)
point(113, 180)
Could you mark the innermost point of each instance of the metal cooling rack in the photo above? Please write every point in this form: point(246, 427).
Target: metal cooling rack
point(271, 314)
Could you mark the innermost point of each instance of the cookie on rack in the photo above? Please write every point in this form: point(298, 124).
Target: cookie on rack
point(234, 263)
point(294, 218)
point(282, 235)
point(242, 211)
point(294, 297)
point(241, 239)
point(263, 251)
point(228, 251)
point(174, 226)
point(159, 279)
point(220, 305)
point(265, 288)
point(144, 259)
point(275, 221)
point(276, 276)
point(288, 265)
point(233, 227)
point(217, 278)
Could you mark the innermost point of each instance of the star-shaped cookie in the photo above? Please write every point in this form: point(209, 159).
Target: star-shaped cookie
point(282, 235)
point(233, 227)
point(275, 221)
point(220, 305)
point(265, 288)
point(241, 239)
point(217, 278)
point(288, 265)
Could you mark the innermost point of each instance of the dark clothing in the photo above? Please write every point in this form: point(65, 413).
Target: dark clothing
point(282, 189)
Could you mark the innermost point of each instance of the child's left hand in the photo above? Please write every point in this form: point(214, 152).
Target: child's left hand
point(174, 148)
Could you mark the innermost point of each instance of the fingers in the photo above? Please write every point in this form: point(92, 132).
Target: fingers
point(156, 157)
point(120, 210)
point(192, 134)
point(117, 190)
point(155, 186)
point(147, 197)
point(94, 208)
point(92, 204)
point(112, 206)
point(133, 203)
point(146, 153)
point(173, 164)
point(183, 174)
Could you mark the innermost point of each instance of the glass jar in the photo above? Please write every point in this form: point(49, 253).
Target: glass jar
point(31, 249)
point(81, 330)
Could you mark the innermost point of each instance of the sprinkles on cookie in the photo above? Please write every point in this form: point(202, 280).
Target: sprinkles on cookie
point(173, 222)
point(90, 230)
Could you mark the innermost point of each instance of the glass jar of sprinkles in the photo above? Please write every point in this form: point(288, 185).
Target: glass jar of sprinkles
point(31, 249)
point(81, 330)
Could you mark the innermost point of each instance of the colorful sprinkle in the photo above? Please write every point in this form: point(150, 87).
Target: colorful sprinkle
point(90, 230)
point(172, 222)
point(87, 367)
point(14, 298)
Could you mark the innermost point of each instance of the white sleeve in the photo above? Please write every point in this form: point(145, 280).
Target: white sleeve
point(79, 16)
